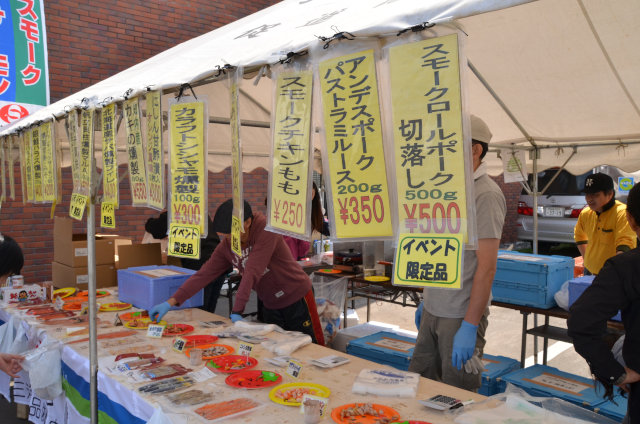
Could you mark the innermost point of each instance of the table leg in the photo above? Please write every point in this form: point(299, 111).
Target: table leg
point(523, 349)
point(535, 340)
point(346, 302)
point(368, 309)
point(546, 341)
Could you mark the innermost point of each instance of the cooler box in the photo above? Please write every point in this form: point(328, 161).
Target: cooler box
point(577, 286)
point(494, 368)
point(531, 280)
point(613, 411)
point(146, 286)
point(542, 380)
point(384, 348)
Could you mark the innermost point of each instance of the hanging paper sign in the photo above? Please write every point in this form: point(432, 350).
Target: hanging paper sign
point(23, 168)
point(77, 205)
point(625, 184)
point(236, 148)
point(357, 167)
point(514, 166)
point(188, 165)
point(135, 150)
point(85, 151)
point(109, 157)
point(48, 165)
point(28, 165)
point(12, 186)
point(184, 241)
point(36, 164)
point(289, 179)
point(107, 215)
point(236, 243)
point(427, 135)
point(155, 150)
point(74, 148)
point(429, 260)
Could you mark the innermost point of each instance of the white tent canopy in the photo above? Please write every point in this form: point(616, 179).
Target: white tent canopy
point(545, 73)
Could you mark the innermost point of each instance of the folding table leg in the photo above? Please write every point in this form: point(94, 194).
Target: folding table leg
point(523, 349)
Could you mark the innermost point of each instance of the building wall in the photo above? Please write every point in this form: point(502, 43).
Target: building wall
point(91, 41)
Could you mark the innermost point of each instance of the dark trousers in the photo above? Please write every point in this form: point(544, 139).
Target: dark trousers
point(300, 316)
point(212, 293)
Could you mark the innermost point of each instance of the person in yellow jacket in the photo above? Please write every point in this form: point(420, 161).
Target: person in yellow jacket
point(602, 230)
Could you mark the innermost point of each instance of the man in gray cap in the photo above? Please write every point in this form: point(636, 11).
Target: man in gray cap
point(452, 323)
point(602, 230)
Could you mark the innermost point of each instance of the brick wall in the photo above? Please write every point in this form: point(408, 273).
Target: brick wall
point(91, 41)
point(32, 227)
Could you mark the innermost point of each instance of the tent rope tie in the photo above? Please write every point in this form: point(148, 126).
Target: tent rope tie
point(106, 101)
point(621, 146)
point(222, 70)
point(183, 87)
point(292, 55)
point(417, 28)
point(127, 93)
point(84, 103)
point(559, 151)
point(342, 35)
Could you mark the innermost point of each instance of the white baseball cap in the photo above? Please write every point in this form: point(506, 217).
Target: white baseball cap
point(480, 130)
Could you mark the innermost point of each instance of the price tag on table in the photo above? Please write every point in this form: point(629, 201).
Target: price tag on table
point(202, 375)
point(245, 349)
point(294, 369)
point(155, 331)
point(117, 321)
point(179, 344)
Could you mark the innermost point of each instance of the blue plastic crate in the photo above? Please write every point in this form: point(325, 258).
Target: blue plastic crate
point(494, 368)
point(531, 280)
point(384, 348)
point(615, 411)
point(542, 380)
point(146, 286)
point(577, 286)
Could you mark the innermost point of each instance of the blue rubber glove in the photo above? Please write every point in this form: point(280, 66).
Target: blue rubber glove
point(235, 317)
point(157, 312)
point(464, 343)
point(419, 315)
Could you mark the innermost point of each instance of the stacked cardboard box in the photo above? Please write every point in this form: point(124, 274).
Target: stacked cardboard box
point(70, 256)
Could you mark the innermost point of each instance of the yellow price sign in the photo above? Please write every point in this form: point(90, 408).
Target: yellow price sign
point(429, 260)
point(236, 244)
point(77, 205)
point(184, 241)
point(108, 215)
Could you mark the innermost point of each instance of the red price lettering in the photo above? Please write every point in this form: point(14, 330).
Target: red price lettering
point(155, 192)
point(439, 220)
point(353, 209)
point(291, 215)
point(139, 191)
point(186, 214)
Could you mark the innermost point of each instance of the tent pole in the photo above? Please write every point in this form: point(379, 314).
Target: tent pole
point(93, 343)
point(535, 201)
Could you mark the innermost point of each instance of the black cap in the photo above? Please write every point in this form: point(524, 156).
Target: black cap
point(157, 227)
point(222, 219)
point(598, 182)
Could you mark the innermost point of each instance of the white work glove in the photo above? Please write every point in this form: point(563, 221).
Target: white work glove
point(474, 365)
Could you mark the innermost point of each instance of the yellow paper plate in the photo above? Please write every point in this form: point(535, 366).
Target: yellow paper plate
point(116, 306)
point(376, 278)
point(313, 389)
point(64, 292)
point(143, 323)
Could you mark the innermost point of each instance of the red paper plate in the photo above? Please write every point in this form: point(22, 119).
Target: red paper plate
point(387, 412)
point(99, 293)
point(199, 339)
point(232, 363)
point(128, 316)
point(204, 347)
point(330, 271)
point(72, 306)
point(173, 330)
point(253, 379)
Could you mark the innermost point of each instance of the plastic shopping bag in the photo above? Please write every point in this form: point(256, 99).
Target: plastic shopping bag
point(7, 334)
point(562, 296)
point(44, 367)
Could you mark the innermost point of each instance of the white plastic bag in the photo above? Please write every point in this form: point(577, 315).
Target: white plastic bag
point(292, 341)
point(44, 367)
point(562, 296)
point(7, 335)
point(20, 342)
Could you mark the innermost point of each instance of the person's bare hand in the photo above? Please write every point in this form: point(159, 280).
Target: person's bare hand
point(632, 377)
point(11, 364)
